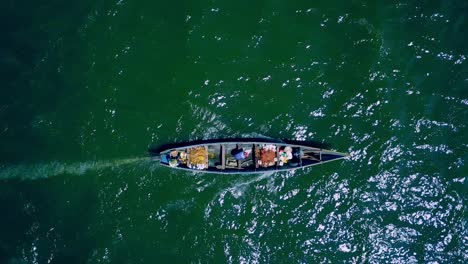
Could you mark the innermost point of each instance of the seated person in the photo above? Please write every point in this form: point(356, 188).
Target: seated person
point(174, 158)
point(238, 153)
point(285, 154)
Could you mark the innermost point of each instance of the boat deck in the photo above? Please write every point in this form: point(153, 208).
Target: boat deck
point(251, 157)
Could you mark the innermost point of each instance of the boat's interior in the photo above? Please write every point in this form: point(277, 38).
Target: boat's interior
point(247, 157)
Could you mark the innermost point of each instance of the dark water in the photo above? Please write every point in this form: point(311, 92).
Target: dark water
point(88, 86)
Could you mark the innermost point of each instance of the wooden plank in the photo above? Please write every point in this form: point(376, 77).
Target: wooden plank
point(238, 161)
point(207, 157)
point(277, 156)
point(188, 157)
point(300, 156)
point(223, 157)
point(253, 156)
point(255, 153)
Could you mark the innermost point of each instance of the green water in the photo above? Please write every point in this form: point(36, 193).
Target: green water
point(89, 86)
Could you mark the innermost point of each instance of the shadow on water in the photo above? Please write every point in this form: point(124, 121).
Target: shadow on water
point(156, 149)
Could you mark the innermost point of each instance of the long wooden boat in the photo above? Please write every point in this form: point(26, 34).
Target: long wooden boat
point(231, 157)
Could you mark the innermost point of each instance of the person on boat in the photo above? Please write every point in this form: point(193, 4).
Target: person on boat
point(174, 158)
point(238, 153)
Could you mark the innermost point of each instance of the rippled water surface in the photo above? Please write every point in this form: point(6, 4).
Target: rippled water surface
point(88, 86)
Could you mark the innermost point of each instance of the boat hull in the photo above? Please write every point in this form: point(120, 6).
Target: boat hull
point(245, 157)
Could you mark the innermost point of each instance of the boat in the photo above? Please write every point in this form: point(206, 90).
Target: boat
point(244, 157)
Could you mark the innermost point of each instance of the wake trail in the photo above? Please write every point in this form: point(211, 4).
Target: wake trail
point(258, 178)
point(55, 168)
point(237, 188)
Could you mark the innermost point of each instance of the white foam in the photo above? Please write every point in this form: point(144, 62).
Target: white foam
point(55, 168)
